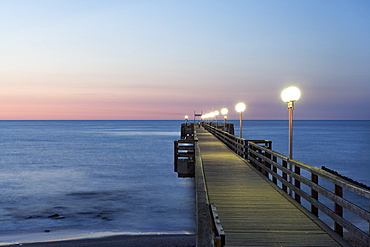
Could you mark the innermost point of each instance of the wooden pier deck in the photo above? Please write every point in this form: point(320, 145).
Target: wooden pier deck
point(252, 210)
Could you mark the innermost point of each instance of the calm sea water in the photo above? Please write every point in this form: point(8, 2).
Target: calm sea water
point(84, 177)
point(80, 178)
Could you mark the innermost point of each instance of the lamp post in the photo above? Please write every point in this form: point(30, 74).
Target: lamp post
point(186, 119)
point(240, 107)
point(207, 117)
point(290, 95)
point(216, 115)
point(224, 112)
point(212, 115)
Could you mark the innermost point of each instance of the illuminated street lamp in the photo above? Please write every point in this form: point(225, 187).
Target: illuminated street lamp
point(290, 95)
point(216, 115)
point(240, 107)
point(207, 117)
point(204, 117)
point(212, 115)
point(224, 112)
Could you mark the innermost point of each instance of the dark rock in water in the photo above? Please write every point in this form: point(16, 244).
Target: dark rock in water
point(34, 217)
point(53, 215)
point(56, 216)
point(47, 231)
point(106, 218)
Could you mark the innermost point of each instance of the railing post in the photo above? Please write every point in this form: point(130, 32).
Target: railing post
point(338, 210)
point(285, 176)
point(245, 149)
point(297, 183)
point(267, 164)
point(314, 194)
point(235, 149)
point(274, 179)
point(240, 147)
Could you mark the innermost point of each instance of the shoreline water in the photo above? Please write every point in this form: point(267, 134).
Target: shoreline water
point(164, 240)
point(73, 235)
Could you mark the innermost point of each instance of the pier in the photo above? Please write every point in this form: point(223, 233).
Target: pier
point(249, 195)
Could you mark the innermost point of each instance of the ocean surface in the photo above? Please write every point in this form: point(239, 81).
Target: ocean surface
point(71, 179)
point(75, 179)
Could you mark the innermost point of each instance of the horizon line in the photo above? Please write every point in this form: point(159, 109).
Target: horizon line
point(190, 120)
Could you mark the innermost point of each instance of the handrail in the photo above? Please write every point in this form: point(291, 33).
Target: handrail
point(286, 174)
point(236, 144)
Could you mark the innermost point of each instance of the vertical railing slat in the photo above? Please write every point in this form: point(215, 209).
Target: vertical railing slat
point(297, 183)
point(285, 177)
point(274, 179)
point(338, 210)
point(314, 194)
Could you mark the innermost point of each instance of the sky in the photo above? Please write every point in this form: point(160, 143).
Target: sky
point(110, 59)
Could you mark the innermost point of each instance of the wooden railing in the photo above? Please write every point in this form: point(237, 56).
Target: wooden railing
point(236, 144)
point(286, 174)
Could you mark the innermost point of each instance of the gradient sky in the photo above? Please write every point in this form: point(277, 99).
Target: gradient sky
point(90, 59)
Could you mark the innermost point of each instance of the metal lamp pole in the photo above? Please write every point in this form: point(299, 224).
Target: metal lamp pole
point(186, 119)
point(290, 95)
point(241, 125)
point(216, 115)
point(290, 109)
point(224, 112)
point(240, 107)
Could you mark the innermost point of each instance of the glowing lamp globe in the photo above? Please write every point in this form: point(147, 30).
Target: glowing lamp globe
point(224, 111)
point(290, 94)
point(216, 113)
point(240, 107)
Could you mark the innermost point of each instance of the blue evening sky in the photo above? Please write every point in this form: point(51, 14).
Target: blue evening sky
point(67, 59)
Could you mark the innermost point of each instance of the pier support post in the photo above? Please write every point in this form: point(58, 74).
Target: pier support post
point(338, 210)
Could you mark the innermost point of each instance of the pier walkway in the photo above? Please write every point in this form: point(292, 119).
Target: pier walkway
point(251, 209)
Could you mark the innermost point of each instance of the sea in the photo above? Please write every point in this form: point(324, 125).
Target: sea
point(80, 179)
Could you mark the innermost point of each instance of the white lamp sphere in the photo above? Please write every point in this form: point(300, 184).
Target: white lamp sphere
point(290, 94)
point(224, 111)
point(240, 107)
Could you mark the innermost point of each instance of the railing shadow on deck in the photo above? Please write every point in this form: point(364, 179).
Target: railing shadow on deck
point(286, 174)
